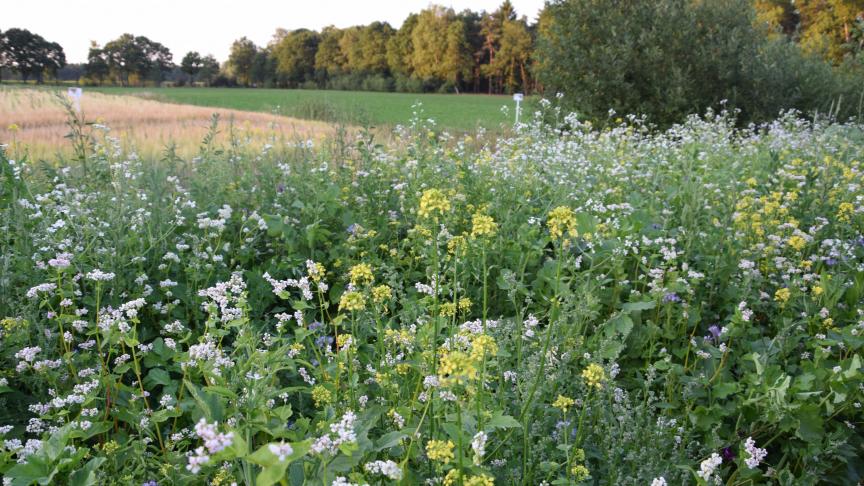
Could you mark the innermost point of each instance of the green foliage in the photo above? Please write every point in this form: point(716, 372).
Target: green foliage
point(29, 54)
point(671, 58)
point(563, 305)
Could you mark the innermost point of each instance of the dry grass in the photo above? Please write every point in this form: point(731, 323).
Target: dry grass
point(34, 120)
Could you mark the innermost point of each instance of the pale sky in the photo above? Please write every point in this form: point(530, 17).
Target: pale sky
point(209, 27)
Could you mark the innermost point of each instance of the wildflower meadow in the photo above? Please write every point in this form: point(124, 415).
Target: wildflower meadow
point(556, 304)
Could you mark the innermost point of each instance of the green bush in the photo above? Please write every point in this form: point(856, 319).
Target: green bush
point(670, 58)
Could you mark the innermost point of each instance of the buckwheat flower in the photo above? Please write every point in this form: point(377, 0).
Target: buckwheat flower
point(478, 445)
point(708, 466)
point(99, 276)
point(28, 354)
point(386, 468)
point(661, 481)
point(45, 288)
point(757, 455)
point(281, 450)
point(196, 460)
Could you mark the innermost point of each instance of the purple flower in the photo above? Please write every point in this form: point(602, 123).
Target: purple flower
point(671, 298)
point(315, 325)
point(728, 454)
point(715, 331)
point(831, 262)
point(280, 188)
point(152, 482)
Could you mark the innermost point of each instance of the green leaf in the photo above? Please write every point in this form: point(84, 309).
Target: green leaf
point(158, 376)
point(638, 306)
point(810, 428)
point(390, 439)
point(500, 421)
point(86, 476)
point(724, 389)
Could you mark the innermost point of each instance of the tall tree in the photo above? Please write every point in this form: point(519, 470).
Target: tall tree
point(448, 61)
point(30, 54)
point(137, 55)
point(191, 64)
point(827, 25)
point(491, 28)
point(400, 48)
point(329, 60)
point(514, 50)
point(241, 59)
point(295, 56)
point(97, 67)
point(209, 69)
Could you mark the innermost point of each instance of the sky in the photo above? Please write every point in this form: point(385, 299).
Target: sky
point(209, 27)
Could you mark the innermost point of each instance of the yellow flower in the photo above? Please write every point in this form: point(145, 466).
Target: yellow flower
point(455, 368)
point(361, 273)
point(817, 290)
point(457, 245)
point(483, 225)
point(562, 222)
point(316, 271)
point(594, 375)
point(782, 295)
point(480, 480)
point(448, 309)
point(439, 450)
point(580, 473)
point(828, 323)
point(352, 301)
point(845, 212)
point(342, 340)
point(482, 346)
point(381, 293)
point(464, 304)
point(563, 403)
point(321, 396)
point(13, 128)
point(433, 200)
point(797, 242)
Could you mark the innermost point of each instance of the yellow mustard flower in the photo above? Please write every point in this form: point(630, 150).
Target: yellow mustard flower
point(433, 201)
point(361, 274)
point(352, 301)
point(440, 451)
point(594, 375)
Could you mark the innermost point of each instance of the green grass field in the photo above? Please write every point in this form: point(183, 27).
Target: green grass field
point(455, 112)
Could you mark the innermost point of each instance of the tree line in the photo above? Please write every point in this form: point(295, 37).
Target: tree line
point(664, 58)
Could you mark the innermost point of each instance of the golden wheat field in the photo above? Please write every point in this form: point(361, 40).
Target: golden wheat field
point(35, 120)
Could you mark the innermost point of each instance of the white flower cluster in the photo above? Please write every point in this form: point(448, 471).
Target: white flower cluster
point(280, 286)
point(341, 432)
point(757, 455)
point(225, 295)
point(208, 353)
point(478, 445)
point(281, 450)
point(386, 468)
point(214, 442)
point(708, 466)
